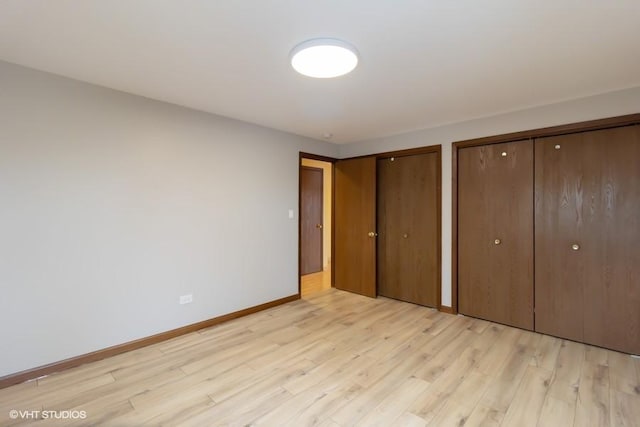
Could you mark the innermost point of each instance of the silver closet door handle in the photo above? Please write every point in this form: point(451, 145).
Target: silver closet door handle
point(497, 242)
point(575, 247)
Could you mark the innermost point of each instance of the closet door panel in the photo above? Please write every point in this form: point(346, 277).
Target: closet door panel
point(588, 237)
point(389, 212)
point(355, 221)
point(495, 233)
point(408, 228)
point(612, 294)
point(559, 222)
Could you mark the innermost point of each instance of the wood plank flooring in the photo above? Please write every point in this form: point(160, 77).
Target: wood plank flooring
point(315, 282)
point(339, 359)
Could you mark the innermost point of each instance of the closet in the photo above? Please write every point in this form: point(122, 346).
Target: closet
point(387, 225)
point(548, 233)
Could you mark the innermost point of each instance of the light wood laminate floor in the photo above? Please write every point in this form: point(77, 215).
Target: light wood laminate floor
point(338, 359)
point(315, 282)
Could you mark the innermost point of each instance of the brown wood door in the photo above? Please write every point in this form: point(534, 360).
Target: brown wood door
point(311, 222)
point(355, 215)
point(587, 227)
point(495, 233)
point(408, 228)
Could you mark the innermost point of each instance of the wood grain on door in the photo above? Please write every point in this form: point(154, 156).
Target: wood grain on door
point(587, 227)
point(408, 228)
point(495, 232)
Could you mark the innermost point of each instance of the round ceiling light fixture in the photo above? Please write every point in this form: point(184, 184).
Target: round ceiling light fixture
point(324, 58)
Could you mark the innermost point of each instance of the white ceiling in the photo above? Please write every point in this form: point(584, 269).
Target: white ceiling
point(423, 62)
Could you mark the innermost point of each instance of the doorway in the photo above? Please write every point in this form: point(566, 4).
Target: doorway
point(316, 184)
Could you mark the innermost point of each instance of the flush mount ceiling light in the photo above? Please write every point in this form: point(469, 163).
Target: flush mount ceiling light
point(324, 58)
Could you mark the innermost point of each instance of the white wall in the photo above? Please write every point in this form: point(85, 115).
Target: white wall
point(112, 205)
point(595, 107)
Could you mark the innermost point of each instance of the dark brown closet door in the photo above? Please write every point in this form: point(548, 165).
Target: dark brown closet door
point(588, 237)
point(355, 221)
point(408, 228)
point(495, 233)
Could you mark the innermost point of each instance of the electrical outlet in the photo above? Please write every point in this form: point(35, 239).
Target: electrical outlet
point(186, 299)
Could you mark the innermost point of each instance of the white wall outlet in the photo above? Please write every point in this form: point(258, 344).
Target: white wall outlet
point(186, 299)
point(290, 213)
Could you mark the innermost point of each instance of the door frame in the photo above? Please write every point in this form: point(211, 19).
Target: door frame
point(332, 161)
point(610, 122)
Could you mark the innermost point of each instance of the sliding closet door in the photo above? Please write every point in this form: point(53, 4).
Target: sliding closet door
point(495, 232)
point(408, 228)
point(587, 227)
point(355, 221)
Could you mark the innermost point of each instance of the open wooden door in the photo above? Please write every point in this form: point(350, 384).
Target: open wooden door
point(311, 219)
point(355, 222)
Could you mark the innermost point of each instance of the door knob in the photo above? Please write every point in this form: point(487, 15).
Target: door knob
point(318, 225)
point(575, 247)
point(497, 242)
point(372, 234)
point(405, 235)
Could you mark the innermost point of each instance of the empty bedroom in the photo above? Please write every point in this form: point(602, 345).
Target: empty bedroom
point(338, 213)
